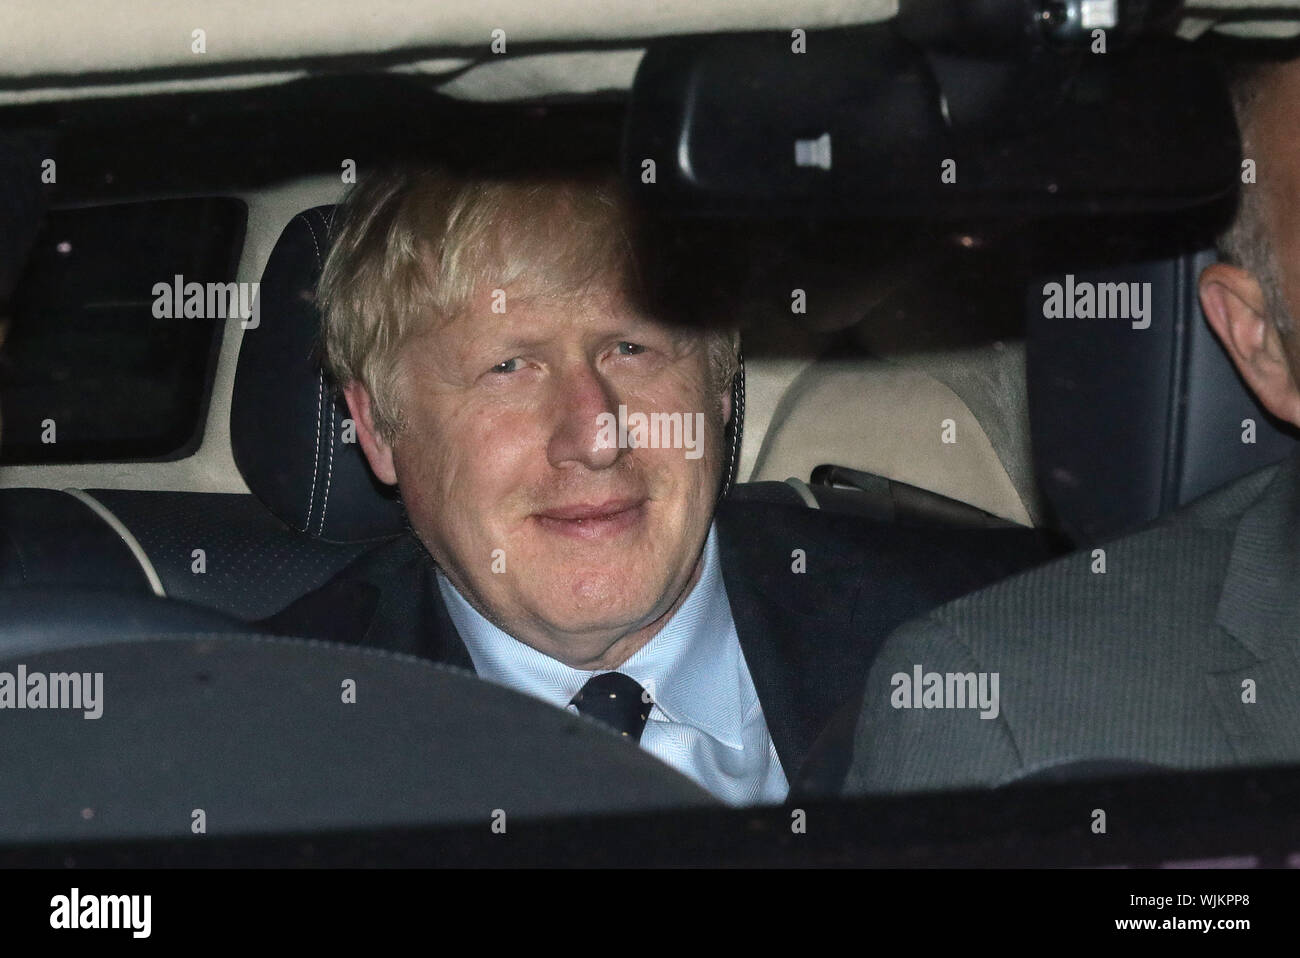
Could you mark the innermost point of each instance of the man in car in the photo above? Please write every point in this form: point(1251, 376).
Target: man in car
point(1183, 650)
point(559, 449)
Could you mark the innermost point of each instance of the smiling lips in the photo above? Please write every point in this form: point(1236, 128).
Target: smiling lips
point(593, 520)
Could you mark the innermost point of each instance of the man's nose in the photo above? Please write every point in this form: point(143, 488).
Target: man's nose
point(585, 411)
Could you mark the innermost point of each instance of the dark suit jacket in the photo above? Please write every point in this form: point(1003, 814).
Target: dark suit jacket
point(808, 638)
point(1150, 662)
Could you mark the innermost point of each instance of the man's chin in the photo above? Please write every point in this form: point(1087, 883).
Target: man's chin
point(593, 608)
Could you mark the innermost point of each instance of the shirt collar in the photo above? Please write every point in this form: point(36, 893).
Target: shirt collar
point(692, 667)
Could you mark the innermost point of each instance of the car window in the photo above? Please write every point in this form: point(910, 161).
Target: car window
point(103, 361)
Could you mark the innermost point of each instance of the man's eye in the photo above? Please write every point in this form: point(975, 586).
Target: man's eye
point(632, 349)
point(509, 366)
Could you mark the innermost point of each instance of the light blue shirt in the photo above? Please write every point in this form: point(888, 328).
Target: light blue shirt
point(706, 721)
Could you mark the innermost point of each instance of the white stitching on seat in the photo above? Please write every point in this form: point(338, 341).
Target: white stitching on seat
point(320, 391)
point(320, 260)
point(311, 502)
point(738, 418)
point(329, 476)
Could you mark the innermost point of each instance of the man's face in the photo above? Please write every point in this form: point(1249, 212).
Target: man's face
point(1236, 301)
point(564, 543)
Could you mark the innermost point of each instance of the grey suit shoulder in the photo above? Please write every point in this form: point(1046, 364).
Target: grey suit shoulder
point(1146, 661)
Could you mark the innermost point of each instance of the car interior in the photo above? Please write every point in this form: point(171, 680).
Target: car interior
point(167, 482)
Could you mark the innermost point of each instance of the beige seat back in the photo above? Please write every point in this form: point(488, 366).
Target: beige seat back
point(911, 419)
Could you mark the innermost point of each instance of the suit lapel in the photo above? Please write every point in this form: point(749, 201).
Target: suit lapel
point(1259, 610)
point(410, 616)
point(791, 626)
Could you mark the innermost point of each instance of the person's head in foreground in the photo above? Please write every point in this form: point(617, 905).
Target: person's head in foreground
point(1252, 296)
point(485, 334)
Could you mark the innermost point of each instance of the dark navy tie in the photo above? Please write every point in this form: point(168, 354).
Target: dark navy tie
point(617, 700)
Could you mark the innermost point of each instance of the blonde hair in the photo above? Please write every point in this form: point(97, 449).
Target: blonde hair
point(412, 247)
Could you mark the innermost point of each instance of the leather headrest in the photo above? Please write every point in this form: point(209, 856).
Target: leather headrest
point(286, 426)
point(1133, 416)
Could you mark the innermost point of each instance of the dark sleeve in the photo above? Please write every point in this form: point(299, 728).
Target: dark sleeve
point(908, 750)
point(339, 611)
point(826, 767)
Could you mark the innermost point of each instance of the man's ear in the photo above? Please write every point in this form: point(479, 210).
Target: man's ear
point(1237, 310)
point(378, 452)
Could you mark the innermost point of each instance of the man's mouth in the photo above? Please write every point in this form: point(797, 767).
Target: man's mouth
point(593, 520)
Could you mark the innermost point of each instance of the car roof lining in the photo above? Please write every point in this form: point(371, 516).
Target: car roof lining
point(68, 49)
point(56, 44)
